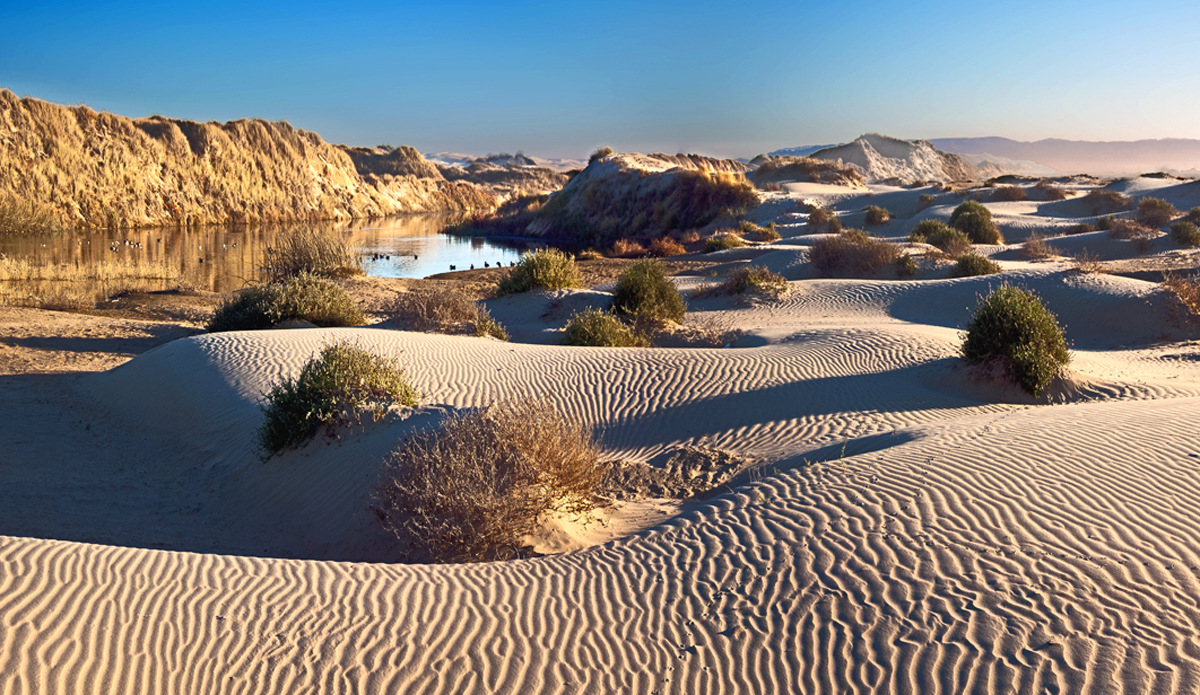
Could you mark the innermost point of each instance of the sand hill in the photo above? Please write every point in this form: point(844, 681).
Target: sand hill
point(102, 170)
point(884, 159)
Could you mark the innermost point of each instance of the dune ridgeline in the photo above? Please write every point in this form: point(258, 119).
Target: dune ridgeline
point(89, 170)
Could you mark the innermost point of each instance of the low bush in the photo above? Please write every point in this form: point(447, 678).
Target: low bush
point(627, 248)
point(484, 326)
point(313, 251)
point(750, 279)
point(926, 199)
point(301, 298)
point(1105, 223)
point(720, 242)
point(1049, 191)
point(1122, 228)
point(969, 207)
point(445, 310)
point(1081, 228)
point(1193, 216)
point(876, 215)
point(1009, 194)
point(979, 228)
point(1155, 212)
point(1087, 263)
point(949, 240)
point(26, 217)
point(1185, 233)
point(1036, 248)
point(1102, 202)
point(1012, 325)
point(549, 269)
point(666, 246)
point(473, 488)
point(972, 264)
point(595, 328)
point(818, 216)
point(646, 295)
point(852, 253)
point(766, 233)
point(332, 389)
point(906, 266)
point(834, 226)
point(1186, 289)
point(691, 236)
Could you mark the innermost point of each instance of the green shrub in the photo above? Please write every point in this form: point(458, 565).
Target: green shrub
point(1185, 233)
point(595, 328)
point(332, 389)
point(971, 264)
point(313, 251)
point(549, 269)
point(949, 240)
point(979, 228)
point(720, 242)
point(1081, 228)
point(753, 279)
point(485, 326)
point(1009, 194)
point(1013, 325)
point(906, 266)
point(766, 233)
point(970, 206)
point(301, 298)
point(473, 488)
point(818, 216)
point(645, 294)
point(876, 215)
point(852, 253)
point(1193, 216)
point(1102, 202)
point(1155, 212)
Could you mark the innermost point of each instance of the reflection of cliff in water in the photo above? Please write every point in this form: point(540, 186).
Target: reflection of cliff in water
point(222, 258)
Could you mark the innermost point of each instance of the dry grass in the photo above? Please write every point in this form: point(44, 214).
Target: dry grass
point(876, 215)
point(445, 310)
point(1102, 202)
point(689, 237)
point(472, 489)
point(1087, 263)
point(819, 216)
point(1122, 228)
point(1187, 289)
point(751, 279)
point(852, 253)
point(25, 216)
point(1049, 191)
point(306, 249)
point(1009, 194)
point(1036, 248)
point(665, 247)
point(1155, 212)
point(627, 248)
point(26, 282)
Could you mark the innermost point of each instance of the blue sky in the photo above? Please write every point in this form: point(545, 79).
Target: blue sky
point(560, 78)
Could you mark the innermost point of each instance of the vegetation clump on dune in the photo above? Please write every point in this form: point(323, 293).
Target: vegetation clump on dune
point(547, 268)
point(1009, 194)
point(470, 490)
point(818, 216)
point(316, 252)
point(750, 279)
point(950, 241)
point(876, 215)
point(1012, 325)
point(666, 246)
point(972, 264)
point(1193, 216)
point(595, 328)
point(1185, 233)
point(1104, 202)
point(802, 169)
point(646, 295)
point(1155, 212)
point(446, 310)
point(25, 216)
point(332, 389)
point(721, 242)
point(1049, 191)
point(303, 297)
point(760, 233)
point(1036, 248)
point(852, 253)
point(975, 220)
point(1186, 289)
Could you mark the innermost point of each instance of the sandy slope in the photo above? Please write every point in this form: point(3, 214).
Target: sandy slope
point(907, 528)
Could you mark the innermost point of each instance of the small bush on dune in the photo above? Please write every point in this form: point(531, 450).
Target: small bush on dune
point(595, 328)
point(485, 326)
point(301, 298)
point(1102, 202)
point(751, 279)
point(969, 207)
point(852, 252)
point(1009, 194)
point(1155, 212)
point(1081, 228)
point(949, 240)
point(1186, 289)
point(599, 154)
point(1122, 228)
point(446, 309)
point(1193, 216)
point(689, 237)
point(1013, 325)
point(818, 216)
point(473, 488)
point(906, 266)
point(972, 264)
point(1035, 247)
point(876, 215)
point(766, 233)
point(926, 200)
point(1087, 263)
point(720, 242)
point(332, 389)
point(549, 269)
point(1105, 223)
point(1185, 233)
point(666, 246)
point(979, 228)
point(627, 248)
point(313, 251)
point(645, 294)
point(1049, 191)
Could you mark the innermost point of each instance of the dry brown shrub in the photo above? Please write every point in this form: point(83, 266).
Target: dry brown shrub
point(1187, 289)
point(1155, 212)
point(689, 237)
point(589, 255)
point(435, 309)
point(627, 248)
point(1088, 263)
point(1049, 191)
point(1103, 202)
point(1036, 248)
point(472, 489)
point(818, 216)
point(852, 253)
point(306, 249)
point(1123, 228)
point(1009, 194)
point(666, 246)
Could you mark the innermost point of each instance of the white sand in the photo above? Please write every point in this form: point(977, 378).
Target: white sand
point(910, 529)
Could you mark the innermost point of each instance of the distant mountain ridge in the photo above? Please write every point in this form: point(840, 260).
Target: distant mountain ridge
point(883, 159)
point(1084, 157)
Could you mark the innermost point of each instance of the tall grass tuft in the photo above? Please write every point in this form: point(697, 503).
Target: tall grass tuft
point(26, 216)
point(595, 328)
point(303, 297)
point(852, 253)
point(548, 269)
point(306, 249)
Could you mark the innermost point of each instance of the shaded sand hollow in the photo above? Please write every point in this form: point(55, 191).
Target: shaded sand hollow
point(904, 526)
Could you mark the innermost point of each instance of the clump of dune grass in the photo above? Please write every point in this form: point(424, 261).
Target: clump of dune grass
point(1081, 228)
point(975, 220)
point(1049, 191)
point(757, 232)
point(473, 488)
point(949, 240)
point(1186, 289)
point(852, 253)
point(26, 216)
point(1104, 202)
point(971, 264)
point(1036, 248)
point(312, 250)
point(1193, 216)
point(748, 280)
point(721, 242)
point(666, 246)
point(1122, 228)
point(1185, 233)
point(645, 295)
point(1009, 194)
point(876, 215)
point(1012, 325)
point(549, 269)
point(595, 328)
point(925, 200)
point(1087, 263)
point(333, 389)
point(818, 216)
point(303, 297)
point(906, 266)
point(1155, 212)
point(627, 248)
point(600, 153)
point(445, 310)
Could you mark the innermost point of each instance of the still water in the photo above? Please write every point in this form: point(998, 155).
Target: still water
point(223, 259)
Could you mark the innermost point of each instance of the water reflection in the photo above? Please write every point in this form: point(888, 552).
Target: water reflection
point(223, 259)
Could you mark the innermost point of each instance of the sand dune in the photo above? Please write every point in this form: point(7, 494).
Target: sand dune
point(905, 525)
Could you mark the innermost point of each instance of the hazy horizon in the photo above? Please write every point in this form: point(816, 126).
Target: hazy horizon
point(557, 80)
